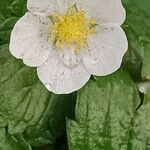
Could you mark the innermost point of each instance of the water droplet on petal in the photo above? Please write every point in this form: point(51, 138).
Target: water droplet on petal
point(46, 63)
point(110, 47)
point(53, 78)
point(94, 61)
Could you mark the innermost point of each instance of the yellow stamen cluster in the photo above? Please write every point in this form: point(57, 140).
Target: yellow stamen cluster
point(72, 29)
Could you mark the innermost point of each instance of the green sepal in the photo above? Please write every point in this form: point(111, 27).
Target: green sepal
point(54, 18)
point(72, 10)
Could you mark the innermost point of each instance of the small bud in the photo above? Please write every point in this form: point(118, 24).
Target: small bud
point(144, 87)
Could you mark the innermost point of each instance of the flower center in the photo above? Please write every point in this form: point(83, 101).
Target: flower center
point(71, 29)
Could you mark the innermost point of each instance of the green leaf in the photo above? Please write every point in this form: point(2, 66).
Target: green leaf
point(10, 12)
point(13, 142)
point(104, 113)
point(132, 63)
point(18, 7)
point(137, 25)
point(61, 106)
point(146, 63)
point(140, 130)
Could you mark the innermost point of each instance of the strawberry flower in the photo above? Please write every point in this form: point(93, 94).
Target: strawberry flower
point(70, 40)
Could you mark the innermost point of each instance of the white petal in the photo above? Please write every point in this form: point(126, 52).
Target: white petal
point(60, 79)
point(69, 57)
point(29, 40)
point(47, 7)
point(106, 11)
point(105, 51)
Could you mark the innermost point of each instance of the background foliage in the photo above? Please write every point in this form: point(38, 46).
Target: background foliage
point(107, 114)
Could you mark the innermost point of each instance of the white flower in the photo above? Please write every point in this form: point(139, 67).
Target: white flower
point(70, 40)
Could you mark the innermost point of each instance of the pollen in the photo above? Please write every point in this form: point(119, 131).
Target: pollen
point(71, 29)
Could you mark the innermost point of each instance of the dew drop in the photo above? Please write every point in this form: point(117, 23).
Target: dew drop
point(95, 61)
point(46, 63)
point(110, 47)
point(53, 77)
